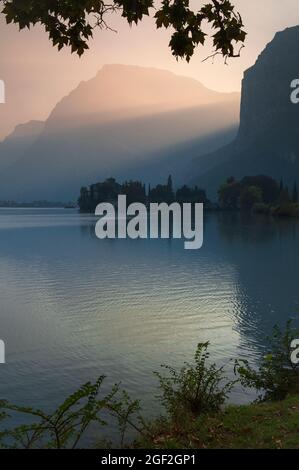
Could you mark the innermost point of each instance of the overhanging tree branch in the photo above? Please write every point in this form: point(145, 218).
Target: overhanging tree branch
point(71, 23)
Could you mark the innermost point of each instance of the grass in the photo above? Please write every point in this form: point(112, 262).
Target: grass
point(271, 425)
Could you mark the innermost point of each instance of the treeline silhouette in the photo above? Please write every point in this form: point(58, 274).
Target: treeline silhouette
point(260, 193)
point(136, 191)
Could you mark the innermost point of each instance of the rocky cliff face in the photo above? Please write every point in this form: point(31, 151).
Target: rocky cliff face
point(265, 103)
point(268, 137)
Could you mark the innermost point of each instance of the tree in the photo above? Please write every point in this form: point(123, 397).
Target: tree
point(134, 190)
point(249, 191)
point(229, 194)
point(250, 195)
point(295, 193)
point(71, 23)
point(191, 195)
point(268, 186)
point(170, 195)
point(231, 180)
point(169, 184)
point(284, 197)
point(84, 199)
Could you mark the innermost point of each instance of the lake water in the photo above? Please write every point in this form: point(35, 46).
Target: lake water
point(74, 307)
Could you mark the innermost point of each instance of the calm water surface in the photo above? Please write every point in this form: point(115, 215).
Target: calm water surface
point(74, 307)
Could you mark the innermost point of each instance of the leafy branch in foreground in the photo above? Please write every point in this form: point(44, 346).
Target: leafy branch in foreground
point(65, 427)
point(71, 23)
point(197, 388)
point(277, 375)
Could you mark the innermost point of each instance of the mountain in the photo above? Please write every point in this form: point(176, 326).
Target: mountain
point(268, 139)
point(127, 122)
point(13, 147)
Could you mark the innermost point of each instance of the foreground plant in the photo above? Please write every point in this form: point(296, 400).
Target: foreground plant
point(277, 374)
point(65, 427)
point(196, 388)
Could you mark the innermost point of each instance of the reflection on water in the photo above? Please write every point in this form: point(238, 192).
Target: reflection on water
point(74, 307)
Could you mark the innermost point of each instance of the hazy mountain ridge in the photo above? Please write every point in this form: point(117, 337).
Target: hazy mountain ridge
point(127, 122)
point(12, 148)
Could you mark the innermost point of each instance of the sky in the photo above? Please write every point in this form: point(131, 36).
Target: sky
point(37, 76)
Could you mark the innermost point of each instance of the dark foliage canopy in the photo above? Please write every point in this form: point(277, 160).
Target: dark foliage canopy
point(70, 23)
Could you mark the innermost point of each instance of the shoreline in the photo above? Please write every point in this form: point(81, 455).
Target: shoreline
point(267, 425)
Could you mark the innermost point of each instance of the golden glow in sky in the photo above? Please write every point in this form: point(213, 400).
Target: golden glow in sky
point(37, 76)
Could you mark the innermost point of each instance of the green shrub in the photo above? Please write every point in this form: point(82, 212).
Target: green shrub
point(277, 375)
point(262, 208)
point(287, 210)
point(65, 426)
point(196, 388)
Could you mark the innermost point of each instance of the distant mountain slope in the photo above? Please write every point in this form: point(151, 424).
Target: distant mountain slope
point(127, 121)
point(268, 137)
point(127, 91)
point(14, 146)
